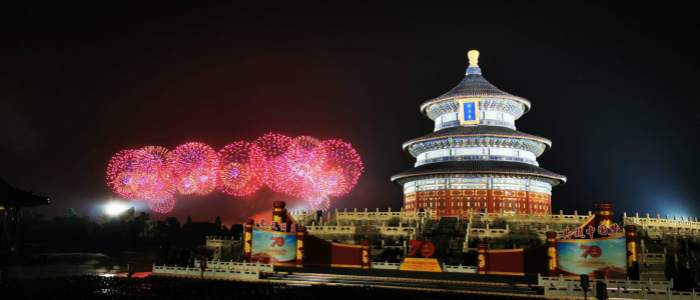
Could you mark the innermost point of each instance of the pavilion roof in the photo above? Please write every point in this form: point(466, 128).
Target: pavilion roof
point(480, 167)
point(474, 131)
point(14, 197)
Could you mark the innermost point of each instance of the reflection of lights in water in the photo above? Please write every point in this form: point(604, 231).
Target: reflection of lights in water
point(115, 208)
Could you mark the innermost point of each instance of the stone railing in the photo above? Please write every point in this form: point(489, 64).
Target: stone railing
point(325, 230)
point(628, 289)
point(560, 219)
point(459, 269)
point(231, 265)
point(351, 230)
point(361, 215)
point(220, 238)
point(657, 227)
point(620, 293)
point(220, 274)
point(547, 281)
point(493, 233)
point(473, 233)
point(385, 265)
point(446, 268)
point(377, 216)
point(397, 230)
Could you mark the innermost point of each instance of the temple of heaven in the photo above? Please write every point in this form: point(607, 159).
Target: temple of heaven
point(475, 160)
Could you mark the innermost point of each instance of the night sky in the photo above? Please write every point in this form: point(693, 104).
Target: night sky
point(614, 87)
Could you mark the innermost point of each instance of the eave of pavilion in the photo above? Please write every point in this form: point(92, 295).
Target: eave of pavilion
point(480, 167)
point(14, 197)
point(477, 131)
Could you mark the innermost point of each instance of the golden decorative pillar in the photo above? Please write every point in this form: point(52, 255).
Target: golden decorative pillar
point(248, 239)
point(552, 264)
point(604, 214)
point(632, 254)
point(301, 234)
point(365, 255)
point(481, 259)
point(278, 212)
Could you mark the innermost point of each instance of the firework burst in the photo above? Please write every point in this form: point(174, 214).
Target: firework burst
point(195, 166)
point(301, 167)
point(241, 168)
point(121, 175)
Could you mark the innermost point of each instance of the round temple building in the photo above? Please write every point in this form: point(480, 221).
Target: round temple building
point(475, 160)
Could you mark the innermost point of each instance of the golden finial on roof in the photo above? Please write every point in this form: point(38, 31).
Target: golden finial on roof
point(473, 58)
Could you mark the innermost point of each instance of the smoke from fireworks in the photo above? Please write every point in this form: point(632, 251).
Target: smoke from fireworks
point(301, 167)
point(162, 206)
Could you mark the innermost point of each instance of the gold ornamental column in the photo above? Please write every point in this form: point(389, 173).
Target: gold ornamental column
point(248, 239)
point(301, 234)
point(278, 213)
point(365, 255)
point(632, 253)
point(604, 214)
point(481, 259)
point(552, 264)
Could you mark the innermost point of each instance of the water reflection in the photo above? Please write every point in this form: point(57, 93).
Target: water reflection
point(76, 264)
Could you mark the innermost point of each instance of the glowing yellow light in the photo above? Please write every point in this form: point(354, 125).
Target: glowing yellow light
point(115, 208)
point(473, 58)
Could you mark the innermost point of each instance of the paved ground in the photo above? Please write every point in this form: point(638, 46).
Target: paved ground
point(97, 287)
point(472, 284)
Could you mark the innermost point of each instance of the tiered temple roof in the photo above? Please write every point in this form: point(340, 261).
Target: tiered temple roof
point(480, 167)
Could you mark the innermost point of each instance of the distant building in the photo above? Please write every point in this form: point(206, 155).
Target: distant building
point(476, 160)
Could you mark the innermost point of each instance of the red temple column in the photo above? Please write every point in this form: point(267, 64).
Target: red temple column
point(301, 235)
point(481, 259)
point(632, 254)
point(490, 201)
point(552, 263)
point(248, 239)
point(365, 255)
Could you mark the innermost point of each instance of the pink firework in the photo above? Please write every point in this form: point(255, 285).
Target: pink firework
point(241, 168)
point(195, 167)
point(273, 147)
point(122, 174)
point(342, 167)
point(296, 173)
point(162, 206)
point(302, 167)
point(154, 177)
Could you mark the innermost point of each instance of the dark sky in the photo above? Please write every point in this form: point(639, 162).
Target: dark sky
point(614, 87)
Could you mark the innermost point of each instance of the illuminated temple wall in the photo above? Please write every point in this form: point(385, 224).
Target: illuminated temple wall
point(463, 202)
point(460, 196)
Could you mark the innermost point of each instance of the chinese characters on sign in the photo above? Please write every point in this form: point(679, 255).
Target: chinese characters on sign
point(469, 111)
point(590, 231)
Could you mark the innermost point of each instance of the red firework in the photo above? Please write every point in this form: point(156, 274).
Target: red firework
point(342, 167)
point(121, 174)
point(273, 147)
point(195, 167)
point(162, 206)
point(241, 168)
point(156, 180)
point(303, 167)
point(295, 172)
